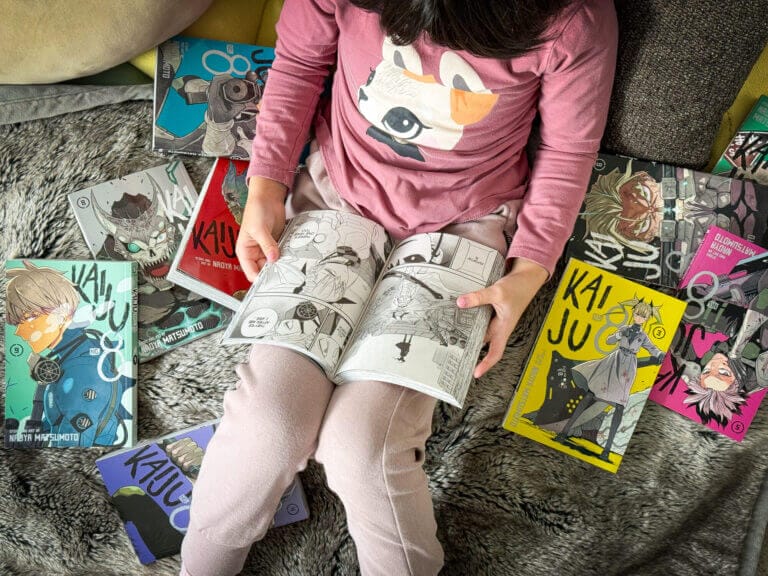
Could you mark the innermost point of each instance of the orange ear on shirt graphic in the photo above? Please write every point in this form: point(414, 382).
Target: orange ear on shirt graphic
point(408, 109)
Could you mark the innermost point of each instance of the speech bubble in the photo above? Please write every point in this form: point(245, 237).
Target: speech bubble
point(258, 323)
point(304, 234)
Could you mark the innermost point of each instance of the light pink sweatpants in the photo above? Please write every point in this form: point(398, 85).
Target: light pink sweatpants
point(369, 436)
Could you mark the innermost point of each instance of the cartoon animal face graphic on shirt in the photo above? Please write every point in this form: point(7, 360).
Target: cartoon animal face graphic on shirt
point(408, 109)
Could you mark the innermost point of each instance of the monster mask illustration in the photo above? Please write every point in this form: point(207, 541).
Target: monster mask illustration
point(140, 232)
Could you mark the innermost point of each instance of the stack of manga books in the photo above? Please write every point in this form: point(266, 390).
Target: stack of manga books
point(122, 308)
point(90, 322)
point(645, 220)
point(141, 218)
point(76, 330)
point(665, 297)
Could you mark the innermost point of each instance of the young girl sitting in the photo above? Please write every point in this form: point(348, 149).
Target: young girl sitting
point(431, 107)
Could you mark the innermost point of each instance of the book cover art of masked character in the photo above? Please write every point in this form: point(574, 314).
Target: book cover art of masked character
point(70, 353)
point(717, 370)
point(206, 261)
point(591, 368)
point(644, 220)
point(151, 484)
point(207, 96)
point(141, 218)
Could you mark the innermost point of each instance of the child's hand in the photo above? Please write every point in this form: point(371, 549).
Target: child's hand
point(263, 222)
point(509, 297)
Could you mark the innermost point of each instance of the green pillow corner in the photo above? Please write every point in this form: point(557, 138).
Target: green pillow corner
point(47, 42)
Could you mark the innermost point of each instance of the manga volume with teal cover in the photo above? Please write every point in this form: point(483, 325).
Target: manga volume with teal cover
point(70, 353)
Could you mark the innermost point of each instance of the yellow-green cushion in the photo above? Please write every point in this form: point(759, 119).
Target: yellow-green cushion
point(47, 41)
point(246, 21)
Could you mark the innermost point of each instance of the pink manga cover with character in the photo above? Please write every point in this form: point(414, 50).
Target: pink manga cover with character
point(716, 372)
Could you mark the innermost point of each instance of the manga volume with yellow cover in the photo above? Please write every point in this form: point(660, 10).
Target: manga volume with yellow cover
point(593, 363)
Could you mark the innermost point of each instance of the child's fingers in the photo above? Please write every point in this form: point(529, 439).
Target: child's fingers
point(478, 298)
point(495, 352)
point(255, 247)
point(497, 339)
point(262, 235)
point(251, 259)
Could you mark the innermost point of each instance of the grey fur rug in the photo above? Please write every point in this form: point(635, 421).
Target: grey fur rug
point(680, 504)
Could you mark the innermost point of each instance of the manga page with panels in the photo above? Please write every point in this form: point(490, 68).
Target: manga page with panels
point(412, 333)
point(311, 298)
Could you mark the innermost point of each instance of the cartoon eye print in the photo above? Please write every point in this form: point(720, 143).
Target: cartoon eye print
point(643, 227)
point(403, 123)
point(132, 247)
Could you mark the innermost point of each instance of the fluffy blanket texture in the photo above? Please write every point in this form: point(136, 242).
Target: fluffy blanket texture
point(680, 504)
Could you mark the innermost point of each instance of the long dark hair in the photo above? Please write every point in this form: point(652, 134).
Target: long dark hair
point(487, 28)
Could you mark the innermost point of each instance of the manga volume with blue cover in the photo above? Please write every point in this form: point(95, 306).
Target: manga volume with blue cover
point(151, 488)
point(207, 95)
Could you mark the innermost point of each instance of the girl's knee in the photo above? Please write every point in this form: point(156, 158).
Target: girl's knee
point(351, 454)
point(368, 440)
point(363, 456)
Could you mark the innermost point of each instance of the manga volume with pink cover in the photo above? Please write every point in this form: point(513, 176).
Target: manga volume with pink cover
point(716, 372)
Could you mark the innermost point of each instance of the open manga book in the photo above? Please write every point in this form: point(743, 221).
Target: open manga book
point(364, 310)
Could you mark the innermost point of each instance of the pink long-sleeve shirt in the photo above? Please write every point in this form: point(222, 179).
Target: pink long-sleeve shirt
point(418, 137)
